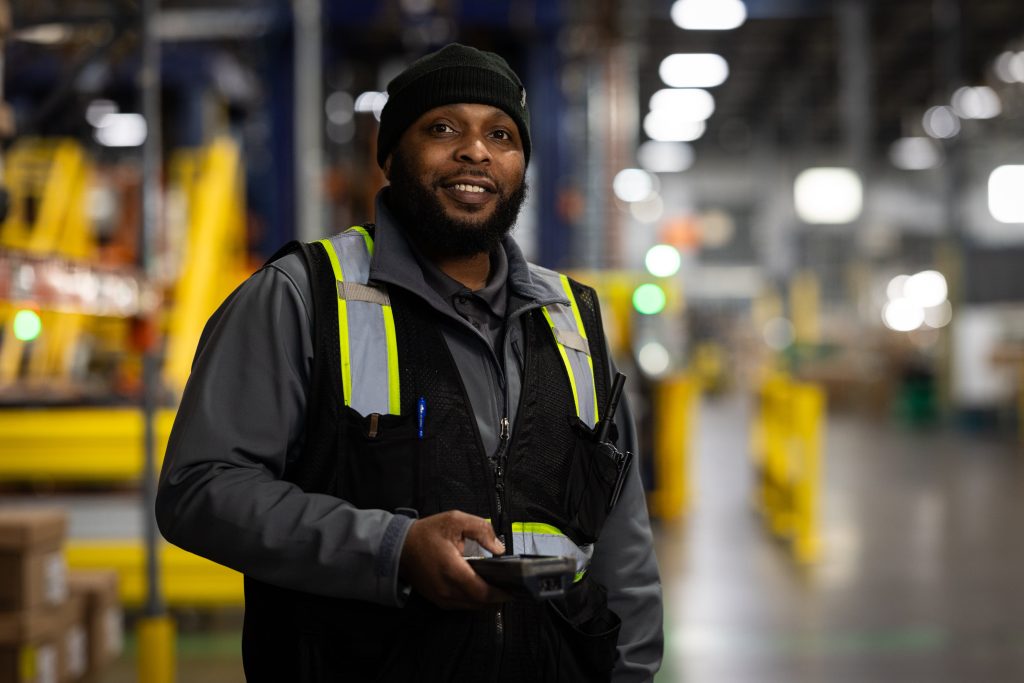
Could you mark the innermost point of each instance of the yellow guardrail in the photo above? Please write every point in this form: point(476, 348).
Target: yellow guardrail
point(787, 458)
point(186, 580)
point(675, 399)
point(76, 444)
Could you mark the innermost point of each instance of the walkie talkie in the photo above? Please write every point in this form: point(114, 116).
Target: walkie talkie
point(622, 460)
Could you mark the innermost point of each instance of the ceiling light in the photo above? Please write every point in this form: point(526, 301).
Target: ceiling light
point(902, 315)
point(654, 359)
point(1005, 199)
point(981, 102)
point(708, 15)
point(687, 104)
point(927, 288)
point(828, 195)
point(1009, 67)
point(938, 316)
point(662, 125)
point(915, 154)
point(371, 101)
point(693, 70)
point(648, 210)
point(941, 123)
point(895, 288)
point(633, 185)
point(121, 130)
point(665, 157)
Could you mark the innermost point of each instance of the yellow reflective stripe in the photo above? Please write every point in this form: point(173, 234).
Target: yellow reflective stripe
point(579, 576)
point(394, 385)
point(346, 361)
point(583, 333)
point(366, 237)
point(565, 360)
point(535, 528)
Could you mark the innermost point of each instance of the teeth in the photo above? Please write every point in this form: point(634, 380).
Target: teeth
point(469, 188)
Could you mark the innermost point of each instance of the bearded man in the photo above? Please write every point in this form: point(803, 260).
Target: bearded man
point(367, 411)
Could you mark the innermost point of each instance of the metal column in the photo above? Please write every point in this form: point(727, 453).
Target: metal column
point(309, 206)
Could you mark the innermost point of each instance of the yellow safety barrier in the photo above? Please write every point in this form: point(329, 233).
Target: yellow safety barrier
point(76, 444)
point(787, 458)
point(675, 399)
point(186, 580)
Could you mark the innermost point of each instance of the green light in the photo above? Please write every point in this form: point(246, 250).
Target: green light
point(649, 299)
point(27, 325)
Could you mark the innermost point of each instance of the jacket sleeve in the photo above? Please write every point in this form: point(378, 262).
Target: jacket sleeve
point(624, 562)
point(240, 422)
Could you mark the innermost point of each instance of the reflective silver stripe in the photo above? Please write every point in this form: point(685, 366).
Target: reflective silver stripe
point(353, 291)
point(573, 340)
point(532, 543)
point(570, 337)
point(366, 332)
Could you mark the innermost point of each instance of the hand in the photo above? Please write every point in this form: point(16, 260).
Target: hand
point(433, 564)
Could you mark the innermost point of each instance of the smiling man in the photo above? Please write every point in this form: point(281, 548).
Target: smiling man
point(367, 411)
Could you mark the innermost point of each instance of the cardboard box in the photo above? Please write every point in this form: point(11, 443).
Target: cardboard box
point(47, 645)
point(103, 616)
point(32, 568)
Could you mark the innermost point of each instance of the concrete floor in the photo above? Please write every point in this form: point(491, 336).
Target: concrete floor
point(921, 577)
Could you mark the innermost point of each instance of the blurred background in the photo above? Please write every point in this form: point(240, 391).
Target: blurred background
point(805, 219)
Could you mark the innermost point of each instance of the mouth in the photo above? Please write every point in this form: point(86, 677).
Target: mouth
point(473, 191)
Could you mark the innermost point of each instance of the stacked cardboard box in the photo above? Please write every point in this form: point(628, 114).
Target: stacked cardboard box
point(103, 618)
point(46, 632)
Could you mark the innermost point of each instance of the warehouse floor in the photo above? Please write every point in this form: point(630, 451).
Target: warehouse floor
point(921, 576)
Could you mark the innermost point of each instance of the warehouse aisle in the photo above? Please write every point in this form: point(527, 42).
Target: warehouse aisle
point(921, 578)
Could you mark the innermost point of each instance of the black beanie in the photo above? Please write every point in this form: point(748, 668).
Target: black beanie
point(454, 74)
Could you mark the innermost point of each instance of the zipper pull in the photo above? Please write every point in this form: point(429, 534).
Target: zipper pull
point(503, 434)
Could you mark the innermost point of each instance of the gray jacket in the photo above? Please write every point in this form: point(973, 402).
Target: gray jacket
point(241, 422)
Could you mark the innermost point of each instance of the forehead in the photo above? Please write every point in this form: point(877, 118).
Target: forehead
point(467, 111)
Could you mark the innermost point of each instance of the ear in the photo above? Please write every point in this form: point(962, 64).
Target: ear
point(387, 167)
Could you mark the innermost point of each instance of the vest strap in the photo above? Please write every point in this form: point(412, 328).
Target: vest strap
point(574, 348)
point(369, 370)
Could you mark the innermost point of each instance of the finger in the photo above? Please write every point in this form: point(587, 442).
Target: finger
point(481, 531)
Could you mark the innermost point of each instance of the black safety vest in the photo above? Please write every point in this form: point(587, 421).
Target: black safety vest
point(387, 462)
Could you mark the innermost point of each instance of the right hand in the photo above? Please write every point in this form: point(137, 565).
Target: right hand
point(433, 564)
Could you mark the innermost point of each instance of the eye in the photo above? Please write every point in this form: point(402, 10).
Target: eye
point(441, 128)
point(502, 134)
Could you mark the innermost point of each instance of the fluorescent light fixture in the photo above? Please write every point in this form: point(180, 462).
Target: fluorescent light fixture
point(915, 154)
point(633, 185)
point(665, 157)
point(687, 104)
point(938, 316)
point(662, 260)
point(708, 15)
point(895, 288)
point(981, 102)
point(828, 195)
point(941, 123)
point(1009, 67)
point(693, 70)
point(371, 101)
point(1005, 198)
point(121, 130)
point(98, 109)
point(662, 125)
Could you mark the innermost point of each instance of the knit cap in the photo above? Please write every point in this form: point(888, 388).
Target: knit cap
point(454, 74)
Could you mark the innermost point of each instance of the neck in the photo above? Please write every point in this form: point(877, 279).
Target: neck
point(470, 271)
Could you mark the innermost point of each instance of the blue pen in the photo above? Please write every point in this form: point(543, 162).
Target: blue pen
point(421, 414)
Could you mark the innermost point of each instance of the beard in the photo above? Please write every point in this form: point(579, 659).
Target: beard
point(425, 221)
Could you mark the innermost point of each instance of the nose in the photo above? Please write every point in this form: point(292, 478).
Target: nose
point(473, 149)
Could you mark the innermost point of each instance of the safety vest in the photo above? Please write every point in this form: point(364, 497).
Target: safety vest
point(368, 354)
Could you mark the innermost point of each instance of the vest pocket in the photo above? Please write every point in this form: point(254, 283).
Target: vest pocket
point(584, 634)
point(592, 477)
point(381, 461)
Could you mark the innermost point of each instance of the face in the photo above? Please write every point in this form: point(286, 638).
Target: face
point(457, 178)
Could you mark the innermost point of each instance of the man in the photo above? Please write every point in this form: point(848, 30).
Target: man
point(365, 412)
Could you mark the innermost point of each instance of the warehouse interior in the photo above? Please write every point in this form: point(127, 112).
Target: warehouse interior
point(804, 218)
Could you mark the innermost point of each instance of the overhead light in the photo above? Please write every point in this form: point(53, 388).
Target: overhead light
point(915, 154)
point(98, 109)
point(981, 102)
point(649, 299)
point(121, 130)
point(44, 34)
point(693, 70)
point(339, 107)
point(663, 126)
point(371, 102)
point(828, 195)
point(708, 15)
point(895, 288)
point(665, 157)
point(1009, 67)
point(662, 260)
point(902, 315)
point(927, 288)
point(1005, 199)
point(633, 185)
point(941, 123)
point(654, 359)
point(938, 316)
point(648, 210)
point(686, 104)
